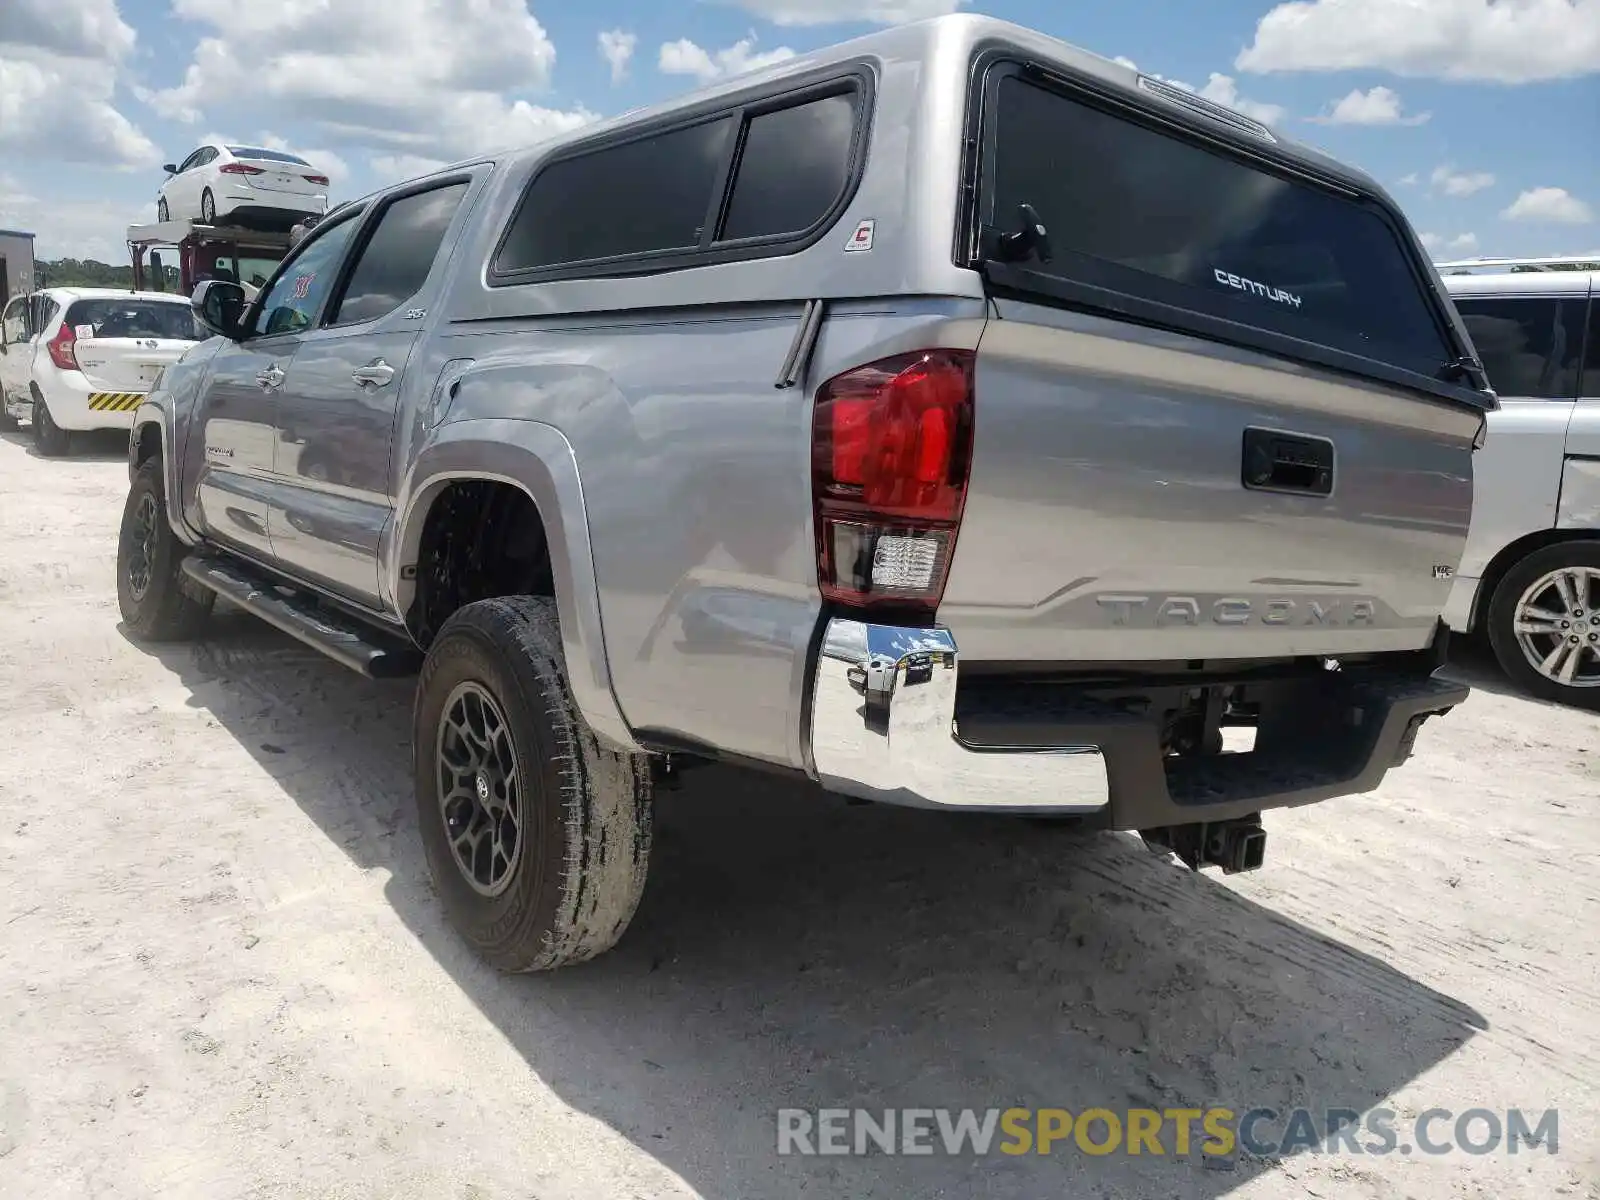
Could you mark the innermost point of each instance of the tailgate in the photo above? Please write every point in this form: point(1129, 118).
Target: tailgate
point(1108, 515)
point(127, 364)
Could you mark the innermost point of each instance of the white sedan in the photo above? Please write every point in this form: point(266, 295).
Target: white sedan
point(242, 185)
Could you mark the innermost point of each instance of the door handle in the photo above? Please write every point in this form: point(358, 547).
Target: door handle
point(1287, 462)
point(272, 377)
point(377, 373)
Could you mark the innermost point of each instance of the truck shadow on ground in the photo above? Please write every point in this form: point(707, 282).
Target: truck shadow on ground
point(795, 951)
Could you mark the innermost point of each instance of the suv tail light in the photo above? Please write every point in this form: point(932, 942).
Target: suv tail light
point(240, 169)
point(319, 180)
point(891, 448)
point(63, 348)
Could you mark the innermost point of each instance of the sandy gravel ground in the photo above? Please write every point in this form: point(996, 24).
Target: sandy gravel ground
point(223, 975)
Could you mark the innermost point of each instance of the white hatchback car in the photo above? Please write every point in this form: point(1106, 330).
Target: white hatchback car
point(243, 185)
point(83, 358)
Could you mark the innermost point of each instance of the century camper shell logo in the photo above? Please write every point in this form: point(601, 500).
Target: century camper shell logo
point(1267, 291)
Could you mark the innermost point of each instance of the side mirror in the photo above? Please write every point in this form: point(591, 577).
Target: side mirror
point(218, 305)
point(170, 168)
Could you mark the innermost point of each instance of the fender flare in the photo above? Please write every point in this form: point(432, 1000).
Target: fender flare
point(538, 460)
point(147, 414)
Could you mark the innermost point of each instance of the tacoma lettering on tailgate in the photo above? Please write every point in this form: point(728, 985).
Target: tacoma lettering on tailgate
point(1159, 611)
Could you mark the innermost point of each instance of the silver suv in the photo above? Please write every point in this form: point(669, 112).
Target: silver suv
point(951, 417)
point(1530, 577)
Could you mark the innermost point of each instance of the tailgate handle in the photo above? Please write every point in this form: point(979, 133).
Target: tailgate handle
point(1287, 462)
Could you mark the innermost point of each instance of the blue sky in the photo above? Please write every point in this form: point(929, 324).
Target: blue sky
point(1483, 116)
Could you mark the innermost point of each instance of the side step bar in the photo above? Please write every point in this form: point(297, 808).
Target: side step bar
point(341, 638)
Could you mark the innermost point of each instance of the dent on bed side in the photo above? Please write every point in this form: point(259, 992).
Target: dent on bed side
point(538, 459)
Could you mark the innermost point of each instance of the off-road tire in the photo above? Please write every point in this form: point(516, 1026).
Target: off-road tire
point(585, 809)
point(170, 608)
point(49, 439)
point(1502, 622)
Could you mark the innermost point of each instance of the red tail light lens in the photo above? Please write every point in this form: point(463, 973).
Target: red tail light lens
point(891, 450)
point(319, 180)
point(63, 348)
point(240, 169)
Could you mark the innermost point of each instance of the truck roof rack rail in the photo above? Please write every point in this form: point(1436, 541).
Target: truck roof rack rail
point(1563, 262)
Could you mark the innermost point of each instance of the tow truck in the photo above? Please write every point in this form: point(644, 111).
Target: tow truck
point(177, 256)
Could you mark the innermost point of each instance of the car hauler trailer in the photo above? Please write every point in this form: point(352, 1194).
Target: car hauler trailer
point(196, 253)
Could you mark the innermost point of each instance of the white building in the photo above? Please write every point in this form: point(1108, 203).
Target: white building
point(16, 263)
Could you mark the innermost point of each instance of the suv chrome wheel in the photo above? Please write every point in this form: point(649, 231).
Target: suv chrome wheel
point(1558, 626)
point(480, 795)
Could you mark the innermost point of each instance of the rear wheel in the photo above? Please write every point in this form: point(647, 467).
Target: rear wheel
point(49, 439)
point(162, 212)
point(157, 604)
point(208, 207)
point(1544, 623)
point(537, 835)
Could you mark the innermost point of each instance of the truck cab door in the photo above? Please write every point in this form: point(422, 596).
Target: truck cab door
point(230, 455)
point(332, 492)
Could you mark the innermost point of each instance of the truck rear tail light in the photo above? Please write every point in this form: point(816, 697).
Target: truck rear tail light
point(891, 449)
point(63, 348)
point(240, 169)
point(319, 180)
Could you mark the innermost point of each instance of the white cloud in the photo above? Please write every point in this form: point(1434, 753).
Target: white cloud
point(61, 109)
point(1409, 180)
point(1224, 90)
point(67, 228)
point(1507, 41)
point(1459, 183)
point(1553, 205)
point(423, 77)
point(393, 168)
point(831, 12)
point(684, 57)
point(1442, 247)
point(1376, 106)
point(71, 28)
point(617, 47)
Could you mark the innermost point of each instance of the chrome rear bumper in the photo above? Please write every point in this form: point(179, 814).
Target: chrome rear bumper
point(883, 727)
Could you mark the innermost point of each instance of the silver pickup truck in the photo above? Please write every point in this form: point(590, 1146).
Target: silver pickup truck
point(952, 417)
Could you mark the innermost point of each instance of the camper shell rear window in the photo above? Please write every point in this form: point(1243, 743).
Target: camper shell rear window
point(1156, 225)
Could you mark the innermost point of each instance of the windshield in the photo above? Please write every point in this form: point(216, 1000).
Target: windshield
point(117, 318)
point(1147, 214)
